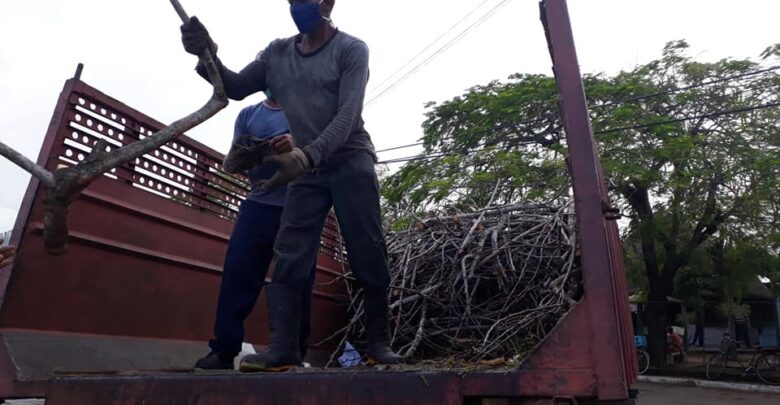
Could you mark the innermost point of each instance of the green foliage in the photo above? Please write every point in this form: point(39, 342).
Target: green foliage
point(685, 318)
point(771, 52)
point(676, 164)
point(493, 137)
point(731, 308)
point(728, 268)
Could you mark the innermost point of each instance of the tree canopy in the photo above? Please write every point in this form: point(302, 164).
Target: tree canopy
point(690, 150)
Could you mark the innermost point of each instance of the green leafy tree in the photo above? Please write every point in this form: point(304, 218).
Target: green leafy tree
point(691, 148)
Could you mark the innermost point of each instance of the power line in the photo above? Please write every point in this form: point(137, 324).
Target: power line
point(409, 62)
point(412, 158)
point(439, 155)
point(614, 102)
point(401, 147)
point(693, 86)
point(484, 131)
point(640, 126)
point(678, 120)
point(439, 51)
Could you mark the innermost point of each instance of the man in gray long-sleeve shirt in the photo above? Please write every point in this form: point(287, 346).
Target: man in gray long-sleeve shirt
point(319, 77)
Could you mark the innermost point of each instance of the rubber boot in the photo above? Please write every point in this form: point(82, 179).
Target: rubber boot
point(215, 361)
point(375, 307)
point(284, 322)
point(305, 330)
point(303, 348)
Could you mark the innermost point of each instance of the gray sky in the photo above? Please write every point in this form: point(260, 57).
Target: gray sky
point(132, 51)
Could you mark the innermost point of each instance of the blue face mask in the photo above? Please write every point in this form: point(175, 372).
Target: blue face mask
point(306, 16)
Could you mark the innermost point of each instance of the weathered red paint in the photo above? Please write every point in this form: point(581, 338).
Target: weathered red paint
point(379, 388)
point(137, 260)
point(141, 264)
point(603, 274)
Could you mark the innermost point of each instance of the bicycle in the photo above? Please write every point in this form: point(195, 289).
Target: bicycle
point(642, 356)
point(765, 362)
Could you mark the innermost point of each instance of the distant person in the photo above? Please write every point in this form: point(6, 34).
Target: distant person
point(6, 254)
point(260, 130)
point(675, 340)
point(698, 336)
point(676, 349)
point(741, 329)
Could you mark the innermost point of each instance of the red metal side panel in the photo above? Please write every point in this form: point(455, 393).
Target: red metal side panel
point(315, 388)
point(603, 273)
point(147, 243)
point(560, 366)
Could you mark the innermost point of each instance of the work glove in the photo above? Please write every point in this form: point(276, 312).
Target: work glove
point(288, 167)
point(196, 38)
point(246, 154)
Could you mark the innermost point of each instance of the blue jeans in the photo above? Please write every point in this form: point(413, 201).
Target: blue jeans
point(248, 257)
point(352, 189)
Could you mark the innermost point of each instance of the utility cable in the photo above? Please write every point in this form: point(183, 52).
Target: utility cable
point(616, 102)
point(607, 131)
point(438, 52)
point(444, 34)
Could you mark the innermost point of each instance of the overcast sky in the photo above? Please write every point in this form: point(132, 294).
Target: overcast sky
point(132, 51)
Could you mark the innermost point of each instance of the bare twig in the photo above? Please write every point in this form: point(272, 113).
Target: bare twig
point(22, 161)
point(65, 185)
point(479, 285)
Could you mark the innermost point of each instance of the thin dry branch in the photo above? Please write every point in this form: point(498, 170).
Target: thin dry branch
point(479, 285)
point(22, 161)
point(65, 185)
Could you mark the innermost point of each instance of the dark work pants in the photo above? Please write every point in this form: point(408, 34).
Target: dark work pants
point(698, 336)
point(351, 188)
point(248, 257)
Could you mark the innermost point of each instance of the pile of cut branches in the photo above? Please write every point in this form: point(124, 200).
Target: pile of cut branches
point(481, 285)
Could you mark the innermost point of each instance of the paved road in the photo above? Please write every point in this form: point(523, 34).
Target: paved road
point(654, 394)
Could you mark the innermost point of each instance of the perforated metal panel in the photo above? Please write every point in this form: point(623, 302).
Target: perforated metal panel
point(138, 285)
point(183, 171)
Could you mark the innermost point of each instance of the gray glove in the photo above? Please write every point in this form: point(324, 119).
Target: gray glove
point(289, 166)
point(247, 154)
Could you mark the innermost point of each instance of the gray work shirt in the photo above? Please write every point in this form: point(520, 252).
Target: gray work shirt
point(321, 93)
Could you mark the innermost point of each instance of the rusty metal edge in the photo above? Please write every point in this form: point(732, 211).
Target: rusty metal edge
point(10, 385)
point(8, 370)
point(599, 282)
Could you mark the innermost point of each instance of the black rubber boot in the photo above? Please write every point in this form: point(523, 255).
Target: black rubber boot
point(375, 306)
point(284, 322)
point(215, 361)
point(304, 349)
point(305, 331)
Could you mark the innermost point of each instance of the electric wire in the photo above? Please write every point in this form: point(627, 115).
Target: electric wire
point(438, 52)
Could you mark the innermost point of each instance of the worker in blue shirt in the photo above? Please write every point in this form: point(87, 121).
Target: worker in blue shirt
point(260, 130)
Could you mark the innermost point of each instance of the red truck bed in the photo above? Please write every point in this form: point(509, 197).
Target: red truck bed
point(137, 288)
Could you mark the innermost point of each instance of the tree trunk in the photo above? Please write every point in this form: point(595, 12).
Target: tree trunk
point(656, 325)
